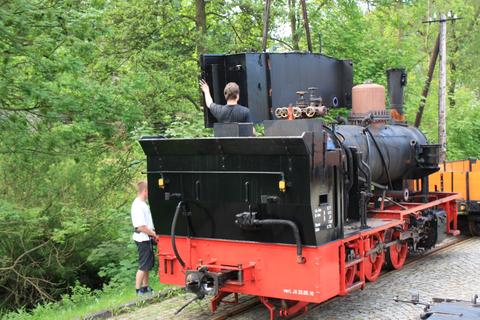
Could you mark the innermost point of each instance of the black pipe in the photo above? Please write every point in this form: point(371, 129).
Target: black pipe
point(425, 189)
point(348, 154)
point(296, 233)
point(396, 194)
point(384, 163)
point(180, 207)
point(367, 173)
point(365, 169)
point(368, 148)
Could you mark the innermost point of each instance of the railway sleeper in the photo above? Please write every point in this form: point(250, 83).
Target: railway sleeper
point(286, 309)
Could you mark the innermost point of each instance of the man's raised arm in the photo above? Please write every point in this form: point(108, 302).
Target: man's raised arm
point(206, 92)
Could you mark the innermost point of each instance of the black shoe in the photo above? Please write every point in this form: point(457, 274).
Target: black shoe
point(140, 291)
point(147, 289)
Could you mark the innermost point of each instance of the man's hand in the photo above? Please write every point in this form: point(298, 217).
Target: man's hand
point(204, 86)
point(206, 91)
point(147, 230)
point(153, 240)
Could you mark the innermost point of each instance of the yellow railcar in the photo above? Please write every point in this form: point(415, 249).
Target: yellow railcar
point(463, 177)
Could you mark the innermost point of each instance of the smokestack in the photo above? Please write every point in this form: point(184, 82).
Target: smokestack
point(396, 79)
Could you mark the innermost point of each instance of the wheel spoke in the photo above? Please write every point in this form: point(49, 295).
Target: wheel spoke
point(350, 275)
point(397, 253)
point(374, 263)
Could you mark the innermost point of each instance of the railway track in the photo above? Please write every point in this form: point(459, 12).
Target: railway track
point(241, 308)
point(253, 303)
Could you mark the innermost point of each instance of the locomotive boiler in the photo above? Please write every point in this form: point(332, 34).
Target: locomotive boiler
point(304, 213)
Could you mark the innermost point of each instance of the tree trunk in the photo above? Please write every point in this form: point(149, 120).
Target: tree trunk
point(426, 87)
point(306, 25)
point(292, 14)
point(201, 25)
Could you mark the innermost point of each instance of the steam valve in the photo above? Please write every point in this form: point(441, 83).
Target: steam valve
point(302, 109)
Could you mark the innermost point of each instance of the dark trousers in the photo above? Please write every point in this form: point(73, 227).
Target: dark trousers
point(146, 259)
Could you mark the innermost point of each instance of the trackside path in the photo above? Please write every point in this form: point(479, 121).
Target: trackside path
point(452, 272)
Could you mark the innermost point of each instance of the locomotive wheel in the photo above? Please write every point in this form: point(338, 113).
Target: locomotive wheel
point(374, 262)
point(350, 275)
point(351, 272)
point(396, 254)
point(474, 227)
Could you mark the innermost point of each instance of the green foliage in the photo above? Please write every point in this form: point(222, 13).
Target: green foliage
point(186, 126)
point(333, 115)
point(83, 301)
point(462, 128)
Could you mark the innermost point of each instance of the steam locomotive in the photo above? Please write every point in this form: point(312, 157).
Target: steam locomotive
point(307, 211)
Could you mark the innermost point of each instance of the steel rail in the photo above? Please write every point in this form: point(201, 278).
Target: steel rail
point(239, 309)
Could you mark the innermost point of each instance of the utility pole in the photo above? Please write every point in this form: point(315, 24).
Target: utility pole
point(442, 89)
point(441, 50)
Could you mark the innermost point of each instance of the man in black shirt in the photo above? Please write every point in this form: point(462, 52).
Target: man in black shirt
point(232, 111)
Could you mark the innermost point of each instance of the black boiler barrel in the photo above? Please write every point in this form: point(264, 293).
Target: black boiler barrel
point(405, 151)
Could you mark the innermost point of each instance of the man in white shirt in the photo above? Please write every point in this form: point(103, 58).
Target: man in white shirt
point(144, 229)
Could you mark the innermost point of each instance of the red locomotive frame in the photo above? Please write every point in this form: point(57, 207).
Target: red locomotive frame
point(336, 268)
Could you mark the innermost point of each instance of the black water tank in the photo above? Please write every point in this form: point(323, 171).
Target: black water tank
point(270, 80)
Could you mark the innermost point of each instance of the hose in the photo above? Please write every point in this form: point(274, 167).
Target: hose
point(296, 233)
point(180, 207)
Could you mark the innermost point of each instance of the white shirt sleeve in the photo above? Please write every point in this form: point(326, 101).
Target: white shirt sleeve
point(138, 217)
